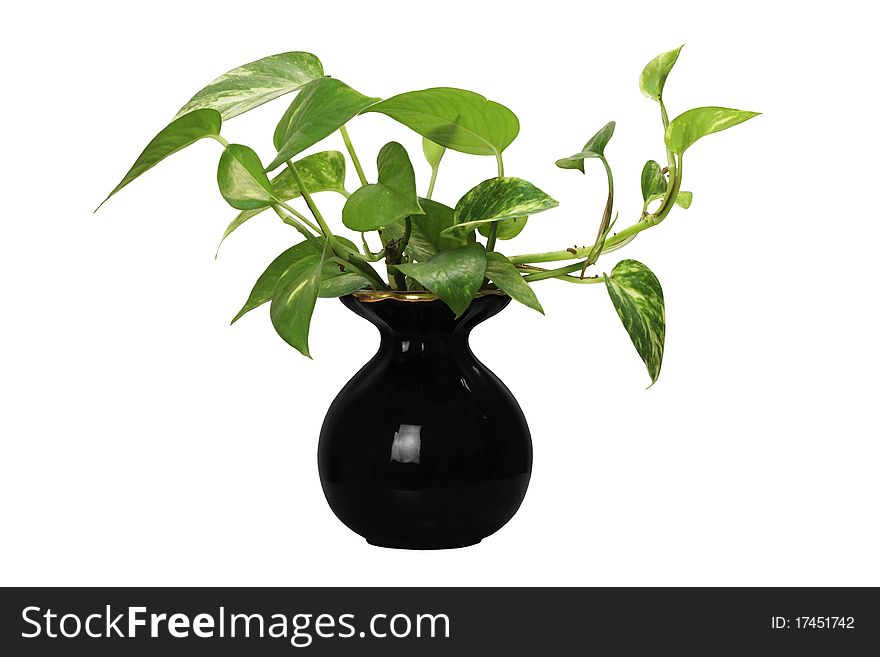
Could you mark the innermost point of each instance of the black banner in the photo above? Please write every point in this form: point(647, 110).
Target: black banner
point(437, 621)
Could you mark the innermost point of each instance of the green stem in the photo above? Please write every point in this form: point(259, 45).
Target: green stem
point(354, 158)
point(290, 221)
point(618, 239)
point(355, 260)
point(299, 216)
point(500, 162)
point(433, 180)
point(493, 227)
point(308, 199)
point(665, 118)
point(220, 139)
point(554, 273)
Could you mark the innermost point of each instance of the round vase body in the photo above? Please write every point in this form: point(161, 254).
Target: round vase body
point(425, 447)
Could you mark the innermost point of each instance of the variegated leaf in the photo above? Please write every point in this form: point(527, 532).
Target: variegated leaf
point(251, 85)
point(653, 77)
point(497, 199)
point(454, 276)
point(321, 172)
point(242, 181)
point(638, 300)
point(268, 280)
point(293, 301)
point(686, 128)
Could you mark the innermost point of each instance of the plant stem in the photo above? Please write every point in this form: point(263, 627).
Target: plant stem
point(355, 260)
point(588, 280)
point(618, 239)
point(433, 180)
point(555, 273)
point(354, 158)
point(665, 118)
point(290, 221)
point(220, 139)
point(308, 199)
point(299, 216)
point(493, 227)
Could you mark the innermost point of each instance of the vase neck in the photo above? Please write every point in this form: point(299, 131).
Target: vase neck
point(412, 325)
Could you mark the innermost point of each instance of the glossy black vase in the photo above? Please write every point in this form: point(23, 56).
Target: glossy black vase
point(424, 448)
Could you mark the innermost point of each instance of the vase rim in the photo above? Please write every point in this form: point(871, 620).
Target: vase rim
point(371, 296)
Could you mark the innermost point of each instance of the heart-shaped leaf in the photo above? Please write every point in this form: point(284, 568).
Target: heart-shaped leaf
point(510, 281)
point(454, 276)
point(461, 120)
point(497, 199)
point(653, 180)
point(253, 84)
point(293, 301)
point(653, 77)
point(685, 129)
point(321, 108)
point(388, 201)
point(638, 299)
point(179, 134)
point(242, 180)
point(268, 280)
point(594, 148)
point(426, 239)
point(321, 172)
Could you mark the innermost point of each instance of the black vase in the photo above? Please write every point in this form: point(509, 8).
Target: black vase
point(424, 448)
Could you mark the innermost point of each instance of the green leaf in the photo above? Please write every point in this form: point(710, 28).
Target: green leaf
point(321, 108)
point(685, 129)
point(684, 199)
point(653, 181)
point(426, 239)
point(293, 301)
point(507, 229)
point(321, 172)
point(268, 280)
point(509, 280)
point(392, 199)
point(497, 199)
point(256, 83)
point(178, 134)
point(335, 283)
point(638, 299)
point(653, 77)
point(461, 120)
point(433, 152)
point(594, 148)
point(454, 276)
point(242, 181)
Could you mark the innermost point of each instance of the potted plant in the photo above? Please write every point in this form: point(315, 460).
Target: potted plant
point(424, 447)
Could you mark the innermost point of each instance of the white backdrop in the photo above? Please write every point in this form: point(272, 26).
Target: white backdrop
point(146, 442)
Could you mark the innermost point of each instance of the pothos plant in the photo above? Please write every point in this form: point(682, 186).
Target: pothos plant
point(427, 247)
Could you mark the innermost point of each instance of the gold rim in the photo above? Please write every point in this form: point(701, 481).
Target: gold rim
point(369, 296)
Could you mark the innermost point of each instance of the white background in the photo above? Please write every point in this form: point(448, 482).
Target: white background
point(147, 442)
